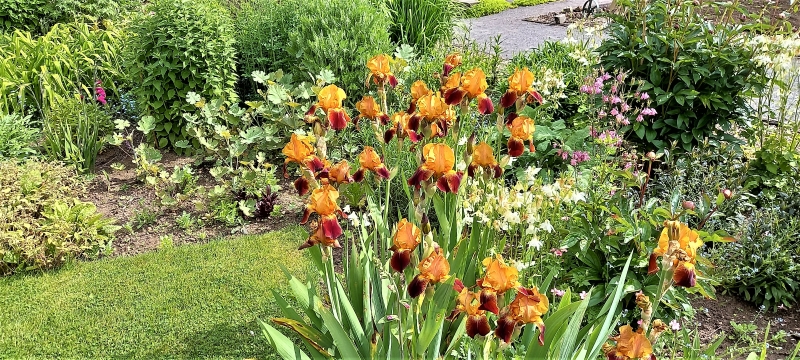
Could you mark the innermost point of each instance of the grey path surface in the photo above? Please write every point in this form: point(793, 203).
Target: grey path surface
point(517, 35)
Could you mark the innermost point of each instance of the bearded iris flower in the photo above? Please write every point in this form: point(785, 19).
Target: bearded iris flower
point(483, 158)
point(469, 304)
point(300, 151)
point(323, 201)
point(432, 270)
point(380, 71)
point(369, 160)
point(438, 163)
point(330, 100)
point(340, 173)
point(497, 279)
point(451, 61)
point(418, 90)
point(472, 85)
point(678, 246)
point(630, 345)
point(527, 308)
point(404, 126)
point(368, 109)
point(520, 87)
point(406, 238)
point(522, 129)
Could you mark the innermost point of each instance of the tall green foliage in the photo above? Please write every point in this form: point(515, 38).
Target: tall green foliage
point(339, 35)
point(177, 47)
point(38, 71)
point(37, 16)
point(422, 23)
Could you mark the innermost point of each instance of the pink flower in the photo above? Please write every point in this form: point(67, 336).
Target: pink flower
point(601, 114)
point(606, 98)
point(649, 111)
point(640, 118)
point(557, 292)
point(558, 252)
point(583, 295)
point(612, 192)
point(625, 107)
point(614, 112)
point(584, 89)
point(613, 89)
point(606, 76)
point(100, 93)
point(644, 96)
point(616, 100)
point(639, 322)
point(675, 325)
point(565, 218)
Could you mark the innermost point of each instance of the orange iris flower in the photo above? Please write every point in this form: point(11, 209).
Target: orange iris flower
point(520, 83)
point(472, 85)
point(527, 308)
point(630, 345)
point(469, 303)
point(340, 173)
point(497, 279)
point(323, 201)
point(680, 244)
point(431, 106)
point(370, 160)
point(483, 158)
point(406, 238)
point(522, 129)
point(380, 70)
point(368, 109)
point(451, 61)
point(300, 151)
point(418, 90)
point(330, 100)
point(432, 270)
point(439, 160)
point(404, 126)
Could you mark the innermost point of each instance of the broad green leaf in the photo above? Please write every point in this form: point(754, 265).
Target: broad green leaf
point(282, 345)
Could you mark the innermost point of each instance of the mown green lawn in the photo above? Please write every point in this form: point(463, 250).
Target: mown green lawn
point(194, 301)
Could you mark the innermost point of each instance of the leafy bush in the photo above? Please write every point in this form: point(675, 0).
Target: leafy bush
point(37, 16)
point(488, 7)
point(38, 71)
point(763, 266)
point(178, 47)
point(73, 130)
point(422, 23)
point(262, 37)
point(339, 35)
point(16, 137)
point(698, 72)
point(42, 222)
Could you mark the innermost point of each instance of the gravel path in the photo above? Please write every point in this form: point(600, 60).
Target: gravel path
point(517, 35)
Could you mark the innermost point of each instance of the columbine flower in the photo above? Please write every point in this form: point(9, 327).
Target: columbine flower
point(536, 243)
point(630, 345)
point(380, 71)
point(323, 201)
point(438, 163)
point(368, 109)
point(546, 226)
point(583, 295)
point(557, 292)
point(369, 160)
point(527, 308)
point(649, 111)
point(483, 158)
point(678, 244)
point(522, 129)
point(406, 238)
point(558, 252)
point(432, 270)
point(520, 87)
point(675, 325)
point(330, 100)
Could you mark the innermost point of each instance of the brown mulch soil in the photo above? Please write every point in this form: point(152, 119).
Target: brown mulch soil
point(572, 15)
point(119, 195)
point(714, 317)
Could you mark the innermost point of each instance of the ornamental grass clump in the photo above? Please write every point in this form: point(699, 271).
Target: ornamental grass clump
point(454, 271)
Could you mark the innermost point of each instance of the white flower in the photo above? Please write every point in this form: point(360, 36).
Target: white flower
point(346, 209)
point(550, 190)
point(535, 243)
point(354, 219)
point(365, 220)
point(511, 217)
point(546, 226)
point(577, 196)
point(462, 141)
point(523, 265)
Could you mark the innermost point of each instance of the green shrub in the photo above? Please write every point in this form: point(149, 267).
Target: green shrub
point(178, 47)
point(73, 130)
point(37, 16)
point(16, 136)
point(422, 23)
point(488, 7)
point(262, 34)
point(38, 71)
point(763, 266)
point(42, 222)
point(697, 72)
point(339, 35)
